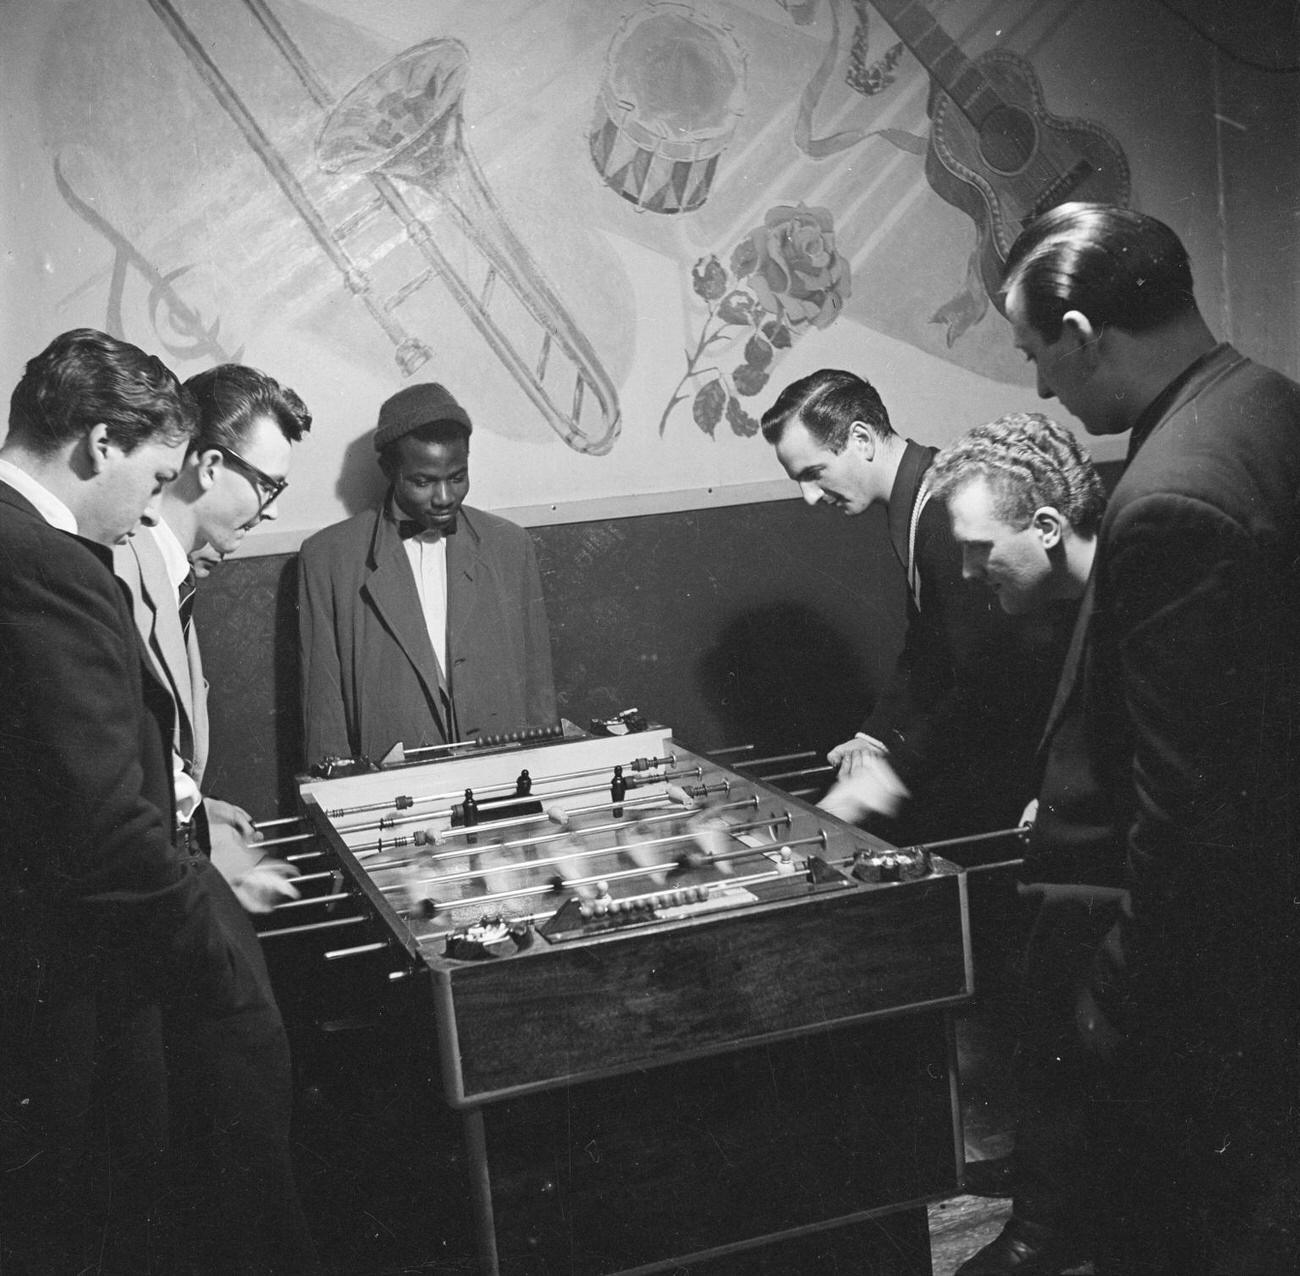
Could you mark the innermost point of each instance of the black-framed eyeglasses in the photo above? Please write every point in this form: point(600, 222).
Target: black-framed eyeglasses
point(268, 488)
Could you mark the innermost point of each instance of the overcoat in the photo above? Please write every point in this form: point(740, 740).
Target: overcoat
point(369, 675)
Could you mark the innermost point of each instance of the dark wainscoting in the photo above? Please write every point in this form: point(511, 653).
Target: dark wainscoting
point(770, 624)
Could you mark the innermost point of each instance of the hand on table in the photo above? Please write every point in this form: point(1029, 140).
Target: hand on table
point(870, 786)
point(863, 746)
point(259, 881)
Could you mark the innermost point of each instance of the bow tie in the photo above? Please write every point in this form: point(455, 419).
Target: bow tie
point(408, 527)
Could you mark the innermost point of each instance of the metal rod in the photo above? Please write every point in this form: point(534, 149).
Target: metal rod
point(336, 953)
point(310, 927)
point(794, 775)
point(1021, 831)
point(402, 802)
point(266, 824)
point(620, 875)
point(633, 783)
point(313, 901)
point(780, 757)
point(284, 841)
point(532, 919)
point(545, 839)
point(988, 868)
point(650, 802)
point(759, 850)
point(470, 874)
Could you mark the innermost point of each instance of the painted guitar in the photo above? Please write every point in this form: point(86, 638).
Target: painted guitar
point(995, 151)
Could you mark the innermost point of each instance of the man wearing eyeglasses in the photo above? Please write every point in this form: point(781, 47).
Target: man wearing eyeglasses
point(144, 1071)
point(233, 475)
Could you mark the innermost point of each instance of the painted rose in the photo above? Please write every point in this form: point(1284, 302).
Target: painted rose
point(791, 264)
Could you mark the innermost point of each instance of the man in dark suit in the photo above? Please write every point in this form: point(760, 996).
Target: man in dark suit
point(1026, 505)
point(947, 748)
point(115, 957)
point(1175, 740)
point(421, 622)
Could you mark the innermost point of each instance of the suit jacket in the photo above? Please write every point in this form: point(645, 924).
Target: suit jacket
point(85, 774)
point(176, 660)
point(369, 675)
point(101, 919)
point(964, 709)
point(1174, 751)
point(1173, 748)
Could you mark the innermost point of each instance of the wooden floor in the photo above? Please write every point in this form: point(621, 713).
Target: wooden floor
point(962, 1225)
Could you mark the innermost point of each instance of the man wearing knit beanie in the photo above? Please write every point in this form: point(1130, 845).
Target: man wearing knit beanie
point(421, 622)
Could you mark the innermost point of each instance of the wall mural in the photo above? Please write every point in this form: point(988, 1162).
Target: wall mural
point(617, 229)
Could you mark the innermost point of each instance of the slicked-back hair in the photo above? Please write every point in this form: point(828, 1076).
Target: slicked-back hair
point(827, 403)
point(85, 378)
point(231, 395)
point(1028, 461)
point(1118, 267)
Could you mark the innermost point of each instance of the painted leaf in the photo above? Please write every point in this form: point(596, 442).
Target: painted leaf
point(758, 352)
point(748, 379)
point(737, 307)
point(709, 278)
point(740, 421)
point(707, 408)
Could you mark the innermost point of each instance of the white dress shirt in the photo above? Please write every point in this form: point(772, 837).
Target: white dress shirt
point(48, 506)
point(427, 554)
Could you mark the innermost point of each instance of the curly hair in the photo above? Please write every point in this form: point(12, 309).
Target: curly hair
point(1028, 461)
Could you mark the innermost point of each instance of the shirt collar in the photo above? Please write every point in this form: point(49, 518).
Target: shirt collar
point(902, 496)
point(174, 557)
point(48, 506)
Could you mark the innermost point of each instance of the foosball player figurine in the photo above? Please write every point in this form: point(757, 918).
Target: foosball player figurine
point(469, 814)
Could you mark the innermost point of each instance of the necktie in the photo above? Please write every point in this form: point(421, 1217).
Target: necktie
point(185, 602)
point(408, 527)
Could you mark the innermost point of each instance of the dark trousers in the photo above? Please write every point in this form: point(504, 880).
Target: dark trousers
point(1062, 1061)
point(1159, 1074)
point(83, 1129)
point(139, 1132)
point(1207, 1105)
point(231, 1202)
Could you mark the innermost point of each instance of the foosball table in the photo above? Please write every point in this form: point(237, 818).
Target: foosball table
point(674, 1019)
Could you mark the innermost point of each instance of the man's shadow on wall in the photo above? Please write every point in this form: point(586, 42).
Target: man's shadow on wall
point(360, 483)
point(784, 679)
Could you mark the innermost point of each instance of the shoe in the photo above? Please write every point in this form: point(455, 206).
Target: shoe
point(1024, 1249)
point(994, 1177)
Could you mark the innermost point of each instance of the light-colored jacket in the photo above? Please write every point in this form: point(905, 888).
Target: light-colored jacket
point(140, 565)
